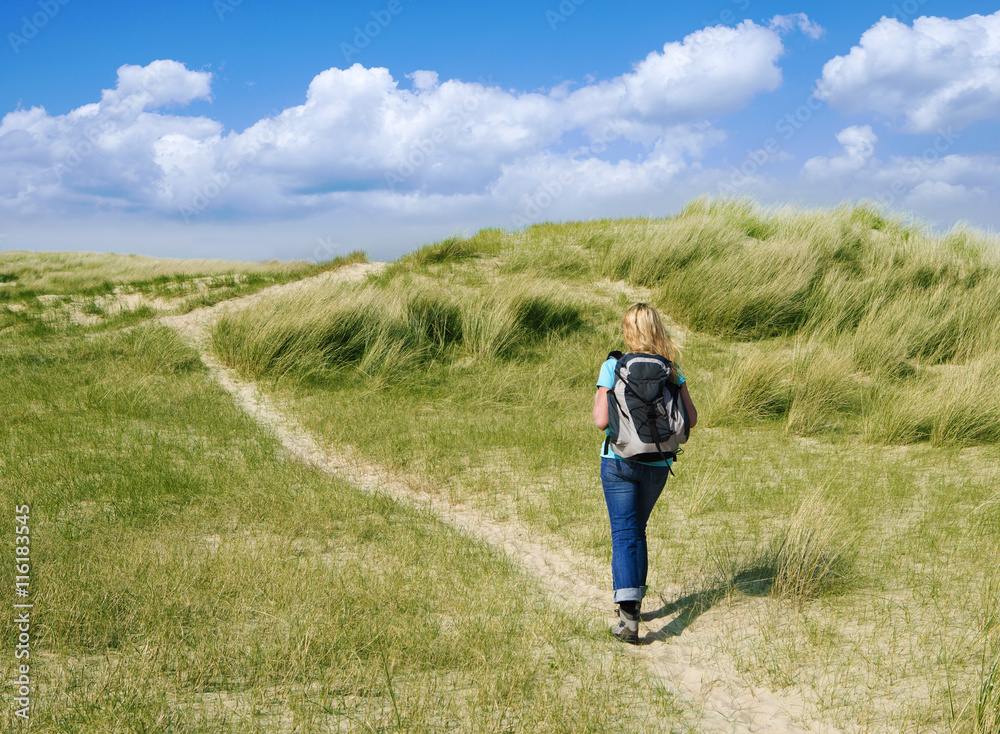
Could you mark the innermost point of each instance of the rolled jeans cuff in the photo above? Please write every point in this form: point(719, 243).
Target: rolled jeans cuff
point(633, 594)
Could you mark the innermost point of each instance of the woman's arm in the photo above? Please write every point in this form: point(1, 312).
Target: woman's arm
point(601, 408)
point(688, 405)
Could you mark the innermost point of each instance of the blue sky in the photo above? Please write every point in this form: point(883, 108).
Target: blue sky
point(245, 129)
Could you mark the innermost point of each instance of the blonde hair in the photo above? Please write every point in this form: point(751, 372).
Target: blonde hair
point(645, 333)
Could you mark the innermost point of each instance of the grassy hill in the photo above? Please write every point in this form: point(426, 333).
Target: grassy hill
point(833, 527)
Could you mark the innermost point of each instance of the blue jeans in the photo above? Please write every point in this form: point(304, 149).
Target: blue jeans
point(630, 491)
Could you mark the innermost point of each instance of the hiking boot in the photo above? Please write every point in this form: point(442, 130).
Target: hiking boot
point(627, 629)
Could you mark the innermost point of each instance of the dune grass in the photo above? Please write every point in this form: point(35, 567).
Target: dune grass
point(187, 577)
point(66, 289)
point(383, 331)
point(736, 271)
point(842, 350)
point(987, 706)
point(831, 529)
point(81, 273)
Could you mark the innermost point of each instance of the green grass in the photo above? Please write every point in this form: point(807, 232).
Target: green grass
point(188, 577)
point(831, 530)
point(85, 273)
point(847, 448)
point(384, 331)
point(58, 286)
point(987, 707)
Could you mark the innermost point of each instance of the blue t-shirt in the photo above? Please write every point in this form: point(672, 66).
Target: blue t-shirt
point(606, 378)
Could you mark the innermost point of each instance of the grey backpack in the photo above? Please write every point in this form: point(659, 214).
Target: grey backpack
point(647, 419)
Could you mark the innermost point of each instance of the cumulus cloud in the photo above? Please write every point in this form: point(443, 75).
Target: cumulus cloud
point(933, 184)
point(447, 137)
point(800, 21)
point(895, 179)
point(858, 147)
point(935, 74)
point(359, 131)
point(103, 154)
point(554, 186)
point(711, 72)
point(950, 189)
point(931, 194)
point(423, 80)
point(158, 84)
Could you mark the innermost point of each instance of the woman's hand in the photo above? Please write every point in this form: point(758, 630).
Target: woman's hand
point(601, 408)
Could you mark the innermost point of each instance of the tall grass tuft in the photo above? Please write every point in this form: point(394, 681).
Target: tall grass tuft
point(436, 319)
point(314, 333)
point(967, 407)
point(986, 703)
point(451, 249)
point(824, 387)
point(758, 387)
point(489, 329)
point(987, 707)
point(738, 271)
point(767, 295)
point(957, 406)
point(813, 556)
point(386, 329)
point(155, 349)
point(897, 414)
point(539, 316)
point(880, 351)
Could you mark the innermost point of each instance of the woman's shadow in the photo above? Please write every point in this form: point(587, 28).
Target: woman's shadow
point(752, 582)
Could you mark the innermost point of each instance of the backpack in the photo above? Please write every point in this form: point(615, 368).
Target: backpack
point(647, 419)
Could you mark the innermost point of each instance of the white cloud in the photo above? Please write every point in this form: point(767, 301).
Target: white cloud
point(929, 194)
point(935, 186)
point(424, 80)
point(902, 178)
point(800, 21)
point(359, 131)
point(579, 184)
point(858, 147)
point(380, 164)
point(937, 74)
point(102, 154)
point(944, 201)
point(711, 72)
point(158, 84)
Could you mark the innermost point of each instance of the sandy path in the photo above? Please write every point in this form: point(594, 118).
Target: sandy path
point(717, 695)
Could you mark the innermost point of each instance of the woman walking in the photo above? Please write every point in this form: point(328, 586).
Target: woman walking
point(631, 487)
